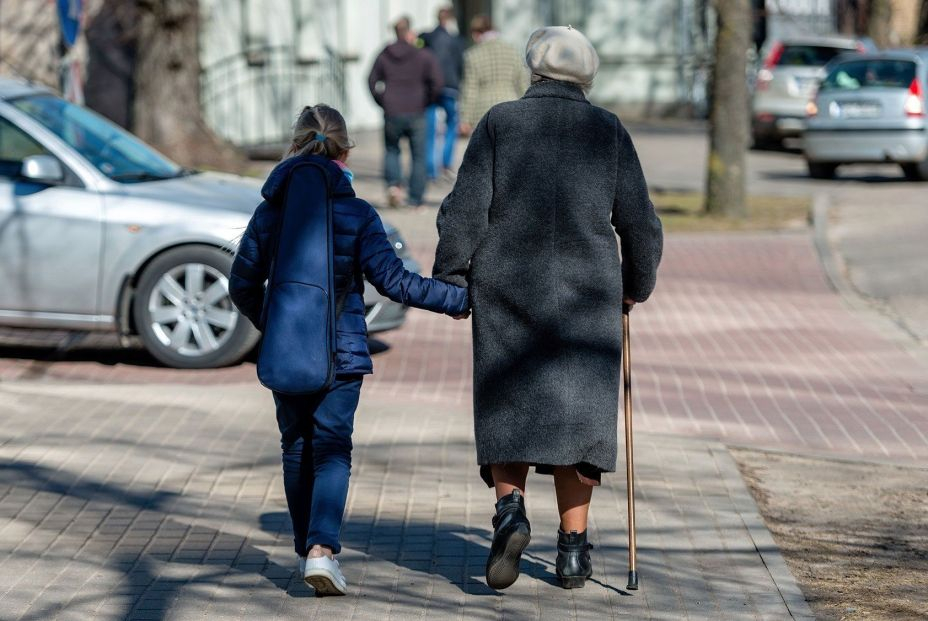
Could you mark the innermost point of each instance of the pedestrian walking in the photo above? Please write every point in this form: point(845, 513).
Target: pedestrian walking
point(316, 428)
point(448, 48)
point(404, 81)
point(493, 72)
point(546, 183)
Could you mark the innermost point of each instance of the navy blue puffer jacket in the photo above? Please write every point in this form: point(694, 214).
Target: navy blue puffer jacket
point(361, 250)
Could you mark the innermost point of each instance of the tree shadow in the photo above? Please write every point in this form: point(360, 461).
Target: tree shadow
point(147, 587)
point(453, 551)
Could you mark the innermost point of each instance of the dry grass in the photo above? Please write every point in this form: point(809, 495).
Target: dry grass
point(682, 212)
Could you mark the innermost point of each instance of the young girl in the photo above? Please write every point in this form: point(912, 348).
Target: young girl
point(316, 429)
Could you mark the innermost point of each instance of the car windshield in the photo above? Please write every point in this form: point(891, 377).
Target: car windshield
point(870, 73)
point(808, 55)
point(116, 153)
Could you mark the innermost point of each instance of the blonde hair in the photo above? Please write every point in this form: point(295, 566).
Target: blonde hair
point(320, 130)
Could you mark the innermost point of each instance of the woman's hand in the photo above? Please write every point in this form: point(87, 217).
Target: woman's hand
point(463, 315)
point(627, 305)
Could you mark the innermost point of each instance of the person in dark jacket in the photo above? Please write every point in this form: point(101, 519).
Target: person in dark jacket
point(546, 183)
point(448, 48)
point(404, 81)
point(316, 429)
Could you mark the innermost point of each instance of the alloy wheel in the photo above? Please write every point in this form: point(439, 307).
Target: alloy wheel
point(190, 309)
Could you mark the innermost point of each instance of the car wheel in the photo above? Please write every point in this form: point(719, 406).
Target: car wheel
point(917, 171)
point(183, 312)
point(822, 170)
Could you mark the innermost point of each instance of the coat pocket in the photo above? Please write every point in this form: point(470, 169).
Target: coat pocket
point(297, 350)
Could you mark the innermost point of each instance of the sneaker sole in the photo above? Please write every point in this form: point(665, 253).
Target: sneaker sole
point(505, 571)
point(323, 585)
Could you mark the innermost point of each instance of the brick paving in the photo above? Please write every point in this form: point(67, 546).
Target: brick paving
point(165, 502)
point(743, 342)
point(132, 491)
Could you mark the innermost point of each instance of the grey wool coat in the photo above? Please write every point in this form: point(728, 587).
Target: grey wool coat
point(546, 183)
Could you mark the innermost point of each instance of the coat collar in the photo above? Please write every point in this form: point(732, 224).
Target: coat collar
point(555, 88)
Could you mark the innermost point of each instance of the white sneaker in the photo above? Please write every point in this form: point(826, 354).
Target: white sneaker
point(324, 575)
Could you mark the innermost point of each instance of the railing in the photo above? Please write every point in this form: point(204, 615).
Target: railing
point(252, 98)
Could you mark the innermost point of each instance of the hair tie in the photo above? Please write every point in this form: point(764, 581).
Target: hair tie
point(320, 137)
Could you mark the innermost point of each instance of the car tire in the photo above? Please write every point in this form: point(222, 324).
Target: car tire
point(183, 313)
point(916, 171)
point(822, 170)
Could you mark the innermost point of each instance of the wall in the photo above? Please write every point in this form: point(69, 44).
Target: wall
point(268, 96)
point(653, 53)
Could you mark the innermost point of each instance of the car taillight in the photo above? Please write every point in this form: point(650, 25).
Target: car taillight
point(764, 78)
point(913, 101)
point(774, 56)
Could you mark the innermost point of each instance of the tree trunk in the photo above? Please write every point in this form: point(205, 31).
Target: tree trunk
point(852, 17)
point(728, 116)
point(921, 36)
point(879, 22)
point(166, 109)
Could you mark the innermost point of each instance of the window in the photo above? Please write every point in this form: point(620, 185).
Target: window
point(808, 55)
point(116, 153)
point(15, 146)
point(876, 73)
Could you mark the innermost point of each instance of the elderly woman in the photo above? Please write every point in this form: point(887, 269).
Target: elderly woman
point(546, 183)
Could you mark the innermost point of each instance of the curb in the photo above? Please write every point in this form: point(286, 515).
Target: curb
point(876, 314)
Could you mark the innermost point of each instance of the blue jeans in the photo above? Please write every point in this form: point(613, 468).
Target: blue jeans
point(315, 437)
point(413, 129)
point(449, 103)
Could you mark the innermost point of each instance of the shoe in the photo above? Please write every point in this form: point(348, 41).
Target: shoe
point(325, 576)
point(511, 534)
point(395, 196)
point(573, 564)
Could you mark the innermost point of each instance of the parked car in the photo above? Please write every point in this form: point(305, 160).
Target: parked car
point(789, 73)
point(870, 108)
point(100, 232)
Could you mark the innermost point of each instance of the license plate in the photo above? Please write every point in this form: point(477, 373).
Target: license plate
point(806, 85)
point(860, 111)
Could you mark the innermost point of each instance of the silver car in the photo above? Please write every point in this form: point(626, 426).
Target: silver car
point(789, 73)
point(870, 108)
point(100, 232)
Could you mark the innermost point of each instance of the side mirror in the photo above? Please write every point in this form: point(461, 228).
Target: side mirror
point(43, 169)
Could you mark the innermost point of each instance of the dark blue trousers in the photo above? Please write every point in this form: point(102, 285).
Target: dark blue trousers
point(315, 437)
point(412, 128)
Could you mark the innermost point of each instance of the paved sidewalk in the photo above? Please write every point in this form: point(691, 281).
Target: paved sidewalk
point(165, 502)
point(131, 490)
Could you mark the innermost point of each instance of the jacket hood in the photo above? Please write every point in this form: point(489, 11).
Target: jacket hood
point(398, 50)
point(275, 188)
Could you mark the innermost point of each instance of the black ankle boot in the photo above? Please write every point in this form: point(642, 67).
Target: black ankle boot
point(511, 534)
point(573, 559)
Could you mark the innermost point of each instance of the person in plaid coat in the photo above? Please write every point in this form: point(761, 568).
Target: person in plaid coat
point(493, 73)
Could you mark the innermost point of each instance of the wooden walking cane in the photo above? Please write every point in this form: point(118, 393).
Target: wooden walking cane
point(629, 453)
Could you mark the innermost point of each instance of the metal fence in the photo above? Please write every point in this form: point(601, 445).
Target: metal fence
point(252, 98)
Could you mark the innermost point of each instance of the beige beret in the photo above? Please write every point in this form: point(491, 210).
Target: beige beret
point(562, 53)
